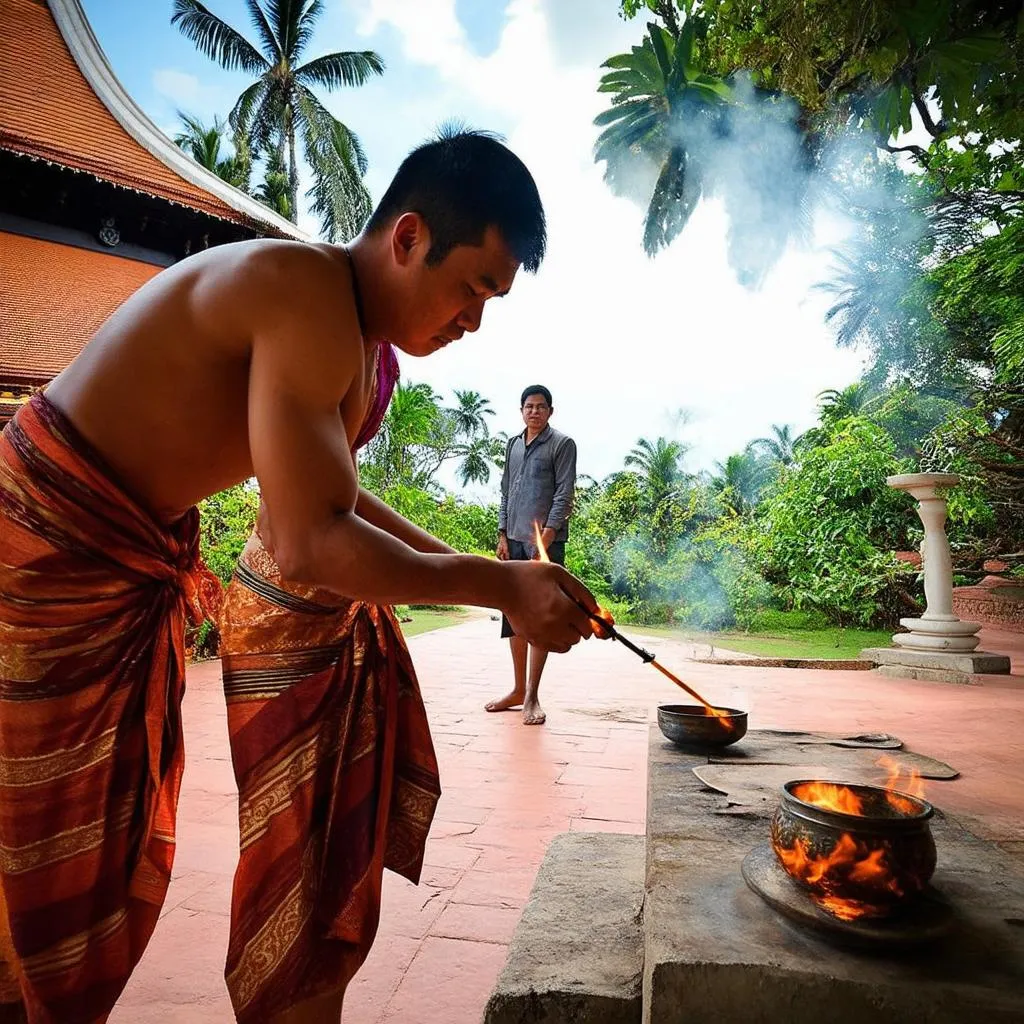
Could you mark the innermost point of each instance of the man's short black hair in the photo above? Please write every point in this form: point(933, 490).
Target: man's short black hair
point(536, 389)
point(462, 183)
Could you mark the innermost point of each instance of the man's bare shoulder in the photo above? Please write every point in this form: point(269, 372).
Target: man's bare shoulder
point(296, 305)
point(296, 279)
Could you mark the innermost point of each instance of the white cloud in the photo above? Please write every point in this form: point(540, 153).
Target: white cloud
point(179, 87)
point(623, 341)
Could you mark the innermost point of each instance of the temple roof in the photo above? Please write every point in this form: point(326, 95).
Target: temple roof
point(53, 299)
point(61, 102)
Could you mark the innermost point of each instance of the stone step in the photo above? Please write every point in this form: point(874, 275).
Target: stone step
point(577, 954)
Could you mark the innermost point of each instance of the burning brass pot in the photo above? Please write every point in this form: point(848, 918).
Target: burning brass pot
point(859, 851)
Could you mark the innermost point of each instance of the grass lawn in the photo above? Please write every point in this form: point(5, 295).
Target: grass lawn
point(831, 642)
point(426, 619)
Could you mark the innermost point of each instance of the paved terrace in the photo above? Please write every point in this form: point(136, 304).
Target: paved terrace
point(508, 789)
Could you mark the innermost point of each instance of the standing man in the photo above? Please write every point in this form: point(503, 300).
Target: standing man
point(536, 487)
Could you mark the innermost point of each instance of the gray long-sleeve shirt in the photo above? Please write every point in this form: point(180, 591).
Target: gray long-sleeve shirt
point(538, 485)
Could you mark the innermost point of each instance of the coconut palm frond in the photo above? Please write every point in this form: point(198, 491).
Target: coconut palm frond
point(217, 39)
point(258, 17)
point(241, 115)
point(338, 196)
point(341, 69)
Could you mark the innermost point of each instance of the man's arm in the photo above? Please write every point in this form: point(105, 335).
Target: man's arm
point(503, 505)
point(565, 486)
point(375, 511)
point(502, 550)
point(306, 354)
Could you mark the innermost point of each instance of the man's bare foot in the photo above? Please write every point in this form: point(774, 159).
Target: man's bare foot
point(513, 700)
point(533, 713)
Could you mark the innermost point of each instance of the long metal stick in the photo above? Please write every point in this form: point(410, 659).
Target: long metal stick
point(644, 655)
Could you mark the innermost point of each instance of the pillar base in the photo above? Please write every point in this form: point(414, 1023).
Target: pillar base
point(938, 634)
point(937, 666)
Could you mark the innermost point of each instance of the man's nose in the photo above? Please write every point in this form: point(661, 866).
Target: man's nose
point(470, 318)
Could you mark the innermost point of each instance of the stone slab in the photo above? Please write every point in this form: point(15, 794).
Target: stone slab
point(768, 746)
point(928, 675)
point(716, 953)
point(962, 662)
point(577, 953)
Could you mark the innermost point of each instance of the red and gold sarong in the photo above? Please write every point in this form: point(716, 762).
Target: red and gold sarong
point(94, 595)
point(336, 775)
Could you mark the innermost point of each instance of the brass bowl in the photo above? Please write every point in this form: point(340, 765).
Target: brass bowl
point(879, 858)
point(687, 725)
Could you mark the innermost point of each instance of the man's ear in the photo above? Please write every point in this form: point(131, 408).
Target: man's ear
point(409, 235)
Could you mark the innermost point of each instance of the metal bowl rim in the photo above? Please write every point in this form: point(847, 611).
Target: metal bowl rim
point(853, 822)
point(667, 709)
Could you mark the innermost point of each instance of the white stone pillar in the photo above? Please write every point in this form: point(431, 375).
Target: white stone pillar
point(938, 629)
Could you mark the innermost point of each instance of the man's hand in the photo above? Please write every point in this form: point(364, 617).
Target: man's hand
point(502, 551)
point(541, 605)
point(547, 536)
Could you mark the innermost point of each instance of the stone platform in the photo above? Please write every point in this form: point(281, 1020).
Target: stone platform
point(994, 601)
point(713, 952)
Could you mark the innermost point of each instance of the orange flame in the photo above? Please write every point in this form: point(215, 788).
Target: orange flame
point(538, 540)
point(830, 796)
point(849, 861)
point(900, 786)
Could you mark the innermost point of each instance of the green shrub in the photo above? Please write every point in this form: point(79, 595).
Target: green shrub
point(773, 620)
point(825, 536)
point(225, 521)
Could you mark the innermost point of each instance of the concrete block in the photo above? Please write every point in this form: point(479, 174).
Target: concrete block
point(577, 954)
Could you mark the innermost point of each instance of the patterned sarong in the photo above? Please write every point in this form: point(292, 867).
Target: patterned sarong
point(336, 775)
point(93, 599)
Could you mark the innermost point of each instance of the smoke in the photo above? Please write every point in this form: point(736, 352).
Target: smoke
point(778, 184)
point(774, 179)
point(691, 582)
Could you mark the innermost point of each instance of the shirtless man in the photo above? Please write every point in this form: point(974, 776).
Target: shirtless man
point(247, 359)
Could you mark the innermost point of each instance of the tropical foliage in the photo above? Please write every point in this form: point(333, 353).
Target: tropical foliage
point(663, 106)
point(281, 109)
point(206, 145)
point(929, 285)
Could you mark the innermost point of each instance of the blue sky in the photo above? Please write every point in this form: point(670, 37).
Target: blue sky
point(629, 346)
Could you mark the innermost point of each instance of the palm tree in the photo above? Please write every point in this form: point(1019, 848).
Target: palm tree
point(659, 466)
point(658, 97)
point(778, 447)
point(410, 425)
point(834, 405)
point(739, 482)
point(478, 456)
point(281, 106)
point(470, 414)
point(203, 143)
point(273, 191)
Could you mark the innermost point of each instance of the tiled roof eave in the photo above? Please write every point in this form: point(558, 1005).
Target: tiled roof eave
point(55, 157)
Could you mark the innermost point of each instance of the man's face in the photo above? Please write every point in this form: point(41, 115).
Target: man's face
point(437, 304)
point(536, 412)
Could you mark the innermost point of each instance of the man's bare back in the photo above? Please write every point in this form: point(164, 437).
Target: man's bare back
point(190, 332)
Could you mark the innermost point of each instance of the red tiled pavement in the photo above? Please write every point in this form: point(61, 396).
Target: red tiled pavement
point(509, 789)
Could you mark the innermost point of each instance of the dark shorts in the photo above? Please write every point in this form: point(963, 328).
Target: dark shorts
point(519, 552)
